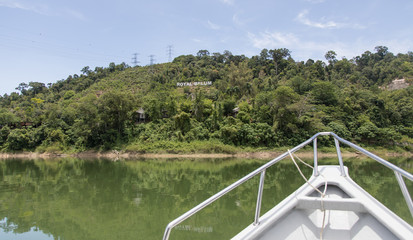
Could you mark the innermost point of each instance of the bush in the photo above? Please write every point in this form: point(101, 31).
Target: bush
point(18, 139)
point(211, 146)
point(340, 129)
point(256, 134)
point(54, 148)
point(4, 133)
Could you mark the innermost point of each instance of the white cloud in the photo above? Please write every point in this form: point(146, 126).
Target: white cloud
point(213, 26)
point(228, 2)
point(236, 19)
point(315, 1)
point(324, 24)
point(273, 40)
point(41, 9)
point(397, 45)
point(75, 14)
point(302, 18)
point(303, 49)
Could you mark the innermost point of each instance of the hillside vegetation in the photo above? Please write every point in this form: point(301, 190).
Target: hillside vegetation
point(265, 101)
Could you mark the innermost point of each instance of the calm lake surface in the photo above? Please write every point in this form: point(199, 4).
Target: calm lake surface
point(74, 199)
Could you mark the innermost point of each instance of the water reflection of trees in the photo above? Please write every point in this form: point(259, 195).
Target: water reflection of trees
point(381, 182)
point(78, 199)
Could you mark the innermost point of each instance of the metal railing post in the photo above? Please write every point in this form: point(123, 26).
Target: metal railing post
point(167, 233)
point(315, 157)
point(405, 191)
point(378, 159)
point(259, 199)
point(340, 158)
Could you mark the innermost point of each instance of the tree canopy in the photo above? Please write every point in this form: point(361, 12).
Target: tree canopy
point(266, 100)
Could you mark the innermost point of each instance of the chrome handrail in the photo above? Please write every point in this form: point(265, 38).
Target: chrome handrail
point(261, 170)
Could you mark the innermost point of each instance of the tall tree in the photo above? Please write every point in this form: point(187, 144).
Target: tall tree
point(23, 87)
point(331, 57)
point(277, 56)
point(115, 109)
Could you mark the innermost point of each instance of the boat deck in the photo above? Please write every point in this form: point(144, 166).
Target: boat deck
point(350, 213)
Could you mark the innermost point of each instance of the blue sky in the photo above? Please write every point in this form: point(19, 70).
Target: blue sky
point(48, 40)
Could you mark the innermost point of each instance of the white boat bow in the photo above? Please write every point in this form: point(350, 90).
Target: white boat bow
point(342, 210)
point(350, 213)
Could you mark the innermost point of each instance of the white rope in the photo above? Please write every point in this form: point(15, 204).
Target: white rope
point(316, 189)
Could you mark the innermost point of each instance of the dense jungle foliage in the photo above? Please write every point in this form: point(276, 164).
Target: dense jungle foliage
point(269, 100)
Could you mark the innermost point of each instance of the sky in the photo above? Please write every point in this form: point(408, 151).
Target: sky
point(48, 40)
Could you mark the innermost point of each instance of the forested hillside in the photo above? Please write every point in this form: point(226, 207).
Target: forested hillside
point(268, 100)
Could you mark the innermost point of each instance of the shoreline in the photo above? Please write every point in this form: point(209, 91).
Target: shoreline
point(115, 155)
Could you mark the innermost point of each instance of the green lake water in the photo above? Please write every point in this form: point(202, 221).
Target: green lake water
point(73, 199)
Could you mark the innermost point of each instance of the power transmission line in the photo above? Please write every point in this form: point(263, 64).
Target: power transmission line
point(151, 59)
point(135, 59)
point(169, 52)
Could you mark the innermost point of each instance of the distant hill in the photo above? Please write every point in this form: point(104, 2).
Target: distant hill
point(267, 100)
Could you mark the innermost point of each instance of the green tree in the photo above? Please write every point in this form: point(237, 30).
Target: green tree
point(203, 53)
point(278, 55)
point(240, 78)
point(331, 57)
point(18, 139)
point(284, 117)
point(381, 51)
point(23, 87)
point(183, 122)
point(300, 84)
point(115, 110)
point(4, 133)
point(324, 93)
point(7, 117)
point(86, 129)
point(37, 87)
